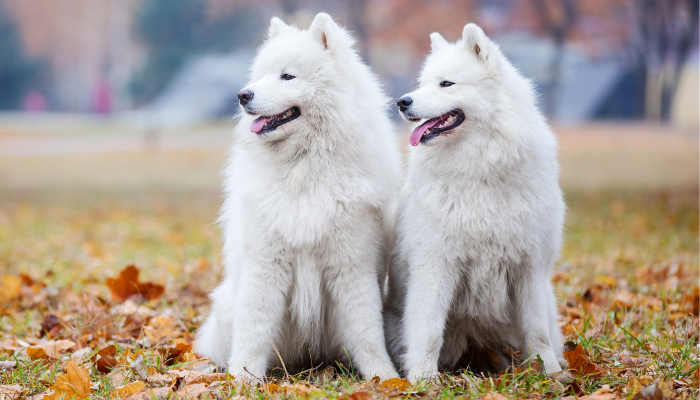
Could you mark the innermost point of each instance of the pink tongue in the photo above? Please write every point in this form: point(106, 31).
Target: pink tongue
point(258, 124)
point(420, 130)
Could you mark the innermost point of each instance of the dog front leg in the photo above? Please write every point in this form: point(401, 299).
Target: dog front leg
point(532, 298)
point(358, 317)
point(430, 291)
point(261, 304)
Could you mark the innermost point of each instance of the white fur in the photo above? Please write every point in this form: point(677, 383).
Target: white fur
point(479, 219)
point(305, 232)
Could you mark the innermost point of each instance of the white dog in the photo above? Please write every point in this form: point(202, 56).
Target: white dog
point(314, 169)
point(480, 217)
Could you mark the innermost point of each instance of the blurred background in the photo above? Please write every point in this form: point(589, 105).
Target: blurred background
point(115, 116)
point(174, 62)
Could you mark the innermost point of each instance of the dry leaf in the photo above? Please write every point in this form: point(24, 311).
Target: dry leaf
point(660, 390)
point(117, 378)
point(578, 360)
point(127, 390)
point(50, 349)
point(298, 388)
point(8, 364)
point(494, 396)
point(193, 391)
point(10, 288)
point(161, 327)
point(603, 393)
point(633, 387)
point(140, 367)
point(158, 393)
point(50, 325)
point(75, 383)
point(127, 285)
point(104, 359)
point(10, 392)
point(395, 383)
point(360, 396)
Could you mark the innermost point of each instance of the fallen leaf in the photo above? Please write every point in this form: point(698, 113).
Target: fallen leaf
point(603, 393)
point(298, 388)
point(104, 359)
point(360, 396)
point(659, 390)
point(8, 364)
point(50, 325)
point(117, 378)
point(50, 349)
point(395, 383)
point(161, 327)
point(127, 390)
point(578, 360)
point(606, 280)
point(75, 383)
point(194, 391)
point(633, 387)
point(10, 288)
point(127, 284)
point(157, 393)
point(10, 392)
point(140, 367)
point(494, 396)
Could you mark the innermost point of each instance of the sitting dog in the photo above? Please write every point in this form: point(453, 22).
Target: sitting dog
point(480, 217)
point(313, 172)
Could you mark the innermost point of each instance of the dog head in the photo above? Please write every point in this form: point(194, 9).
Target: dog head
point(289, 75)
point(458, 86)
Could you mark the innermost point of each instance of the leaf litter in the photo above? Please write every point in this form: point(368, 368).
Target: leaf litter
point(628, 305)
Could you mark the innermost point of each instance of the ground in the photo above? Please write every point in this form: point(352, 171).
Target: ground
point(79, 202)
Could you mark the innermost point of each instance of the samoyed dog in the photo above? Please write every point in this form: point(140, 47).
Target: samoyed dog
point(313, 172)
point(479, 219)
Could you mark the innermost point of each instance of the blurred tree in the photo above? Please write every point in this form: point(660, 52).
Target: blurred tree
point(558, 20)
point(667, 32)
point(17, 71)
point(173, 31)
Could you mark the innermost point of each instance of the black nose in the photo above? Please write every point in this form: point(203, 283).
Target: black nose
point(403, 103)
point(244, 96)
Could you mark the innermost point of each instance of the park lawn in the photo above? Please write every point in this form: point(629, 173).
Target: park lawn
point(627, 285)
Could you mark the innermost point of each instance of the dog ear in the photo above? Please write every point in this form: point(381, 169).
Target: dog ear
point(474, 39)
point(277, 26)
point(437, 41)
point(326, 31)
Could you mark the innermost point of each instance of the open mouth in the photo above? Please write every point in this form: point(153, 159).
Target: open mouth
point(267, 124)
point(437, 126)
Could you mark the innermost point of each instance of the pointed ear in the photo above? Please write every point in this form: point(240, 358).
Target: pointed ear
point(326, 31)
point(277, 27)
point(474, 39)
point(437, 41)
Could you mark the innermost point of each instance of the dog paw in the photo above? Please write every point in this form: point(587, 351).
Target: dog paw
point(562, 376)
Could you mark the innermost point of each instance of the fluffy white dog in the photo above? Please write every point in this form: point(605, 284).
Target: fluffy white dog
point(480, 217)
point(312, 173)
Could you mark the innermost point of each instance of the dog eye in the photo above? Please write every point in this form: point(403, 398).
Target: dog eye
point(287, 77)
point(446, 83)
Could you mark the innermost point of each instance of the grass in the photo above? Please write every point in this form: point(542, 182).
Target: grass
point(627, 279)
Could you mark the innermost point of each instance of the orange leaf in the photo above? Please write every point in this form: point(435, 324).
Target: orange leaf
point(10, 288)
point(75, 383)
point(127, 285)
point(494, 396)
point(395, 383)
point(578, 360)
point(360, 396)
point(104, 359)
point(127, 390)
point(50, 349)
